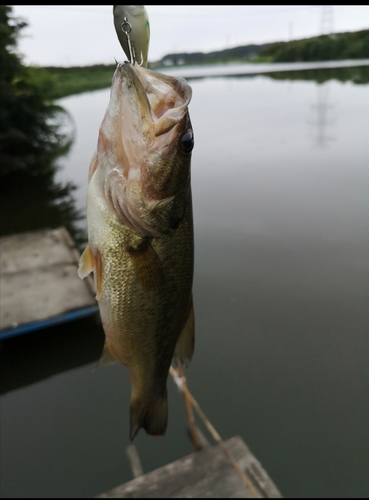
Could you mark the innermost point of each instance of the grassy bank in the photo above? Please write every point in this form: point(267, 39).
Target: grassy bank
point(79, 79)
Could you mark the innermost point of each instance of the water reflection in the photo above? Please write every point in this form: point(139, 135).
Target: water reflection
point(357, 74)
point(33, 199)
point(321, 112)
point(280, 294)
point(27, 359)
point(31, 202)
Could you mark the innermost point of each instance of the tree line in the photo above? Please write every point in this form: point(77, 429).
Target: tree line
point(351, 45)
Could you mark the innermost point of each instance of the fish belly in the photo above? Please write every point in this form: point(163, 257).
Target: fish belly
point(145, 300)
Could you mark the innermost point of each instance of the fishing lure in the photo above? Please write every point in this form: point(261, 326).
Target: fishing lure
point(133, 29)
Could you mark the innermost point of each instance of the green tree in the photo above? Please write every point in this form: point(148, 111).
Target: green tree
point(32, 139)
point(350, 45)
point(30, 123)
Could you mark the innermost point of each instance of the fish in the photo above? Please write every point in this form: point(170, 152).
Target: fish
point(140, 235)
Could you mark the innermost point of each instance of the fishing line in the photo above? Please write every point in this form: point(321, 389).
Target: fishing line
point(182, 386)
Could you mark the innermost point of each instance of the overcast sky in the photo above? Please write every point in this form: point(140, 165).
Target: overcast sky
point(69, 35)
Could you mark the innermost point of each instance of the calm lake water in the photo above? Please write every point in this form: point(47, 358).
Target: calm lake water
point(280, 191)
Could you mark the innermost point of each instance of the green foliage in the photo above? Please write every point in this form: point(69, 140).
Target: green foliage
point(30, 137)
point(242, 53)
point(358, 75)
point(77, 79)
point(351, 45)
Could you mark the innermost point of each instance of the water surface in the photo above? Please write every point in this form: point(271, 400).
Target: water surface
point(280, 189)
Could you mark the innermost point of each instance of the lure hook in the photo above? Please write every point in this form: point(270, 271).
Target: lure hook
point(133, 30)
point(126, 27)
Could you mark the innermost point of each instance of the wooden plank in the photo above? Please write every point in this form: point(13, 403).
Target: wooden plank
point(203, 474)
point(33, 250)
point(39, 278)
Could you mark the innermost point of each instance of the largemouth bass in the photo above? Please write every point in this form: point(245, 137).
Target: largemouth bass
point(140, 234)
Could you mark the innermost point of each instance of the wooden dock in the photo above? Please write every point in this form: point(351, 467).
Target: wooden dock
point(203, 474)
point(39, 282)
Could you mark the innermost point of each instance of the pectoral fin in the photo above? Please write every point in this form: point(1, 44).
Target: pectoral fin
point(186, 341)
point(147, 264)
point(93, 166)
point(86, 262)
point(89, 262)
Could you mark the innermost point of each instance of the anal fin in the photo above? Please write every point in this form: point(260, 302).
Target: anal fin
point(186, 340)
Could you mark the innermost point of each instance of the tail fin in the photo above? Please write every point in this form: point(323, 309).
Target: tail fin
point(151, 416)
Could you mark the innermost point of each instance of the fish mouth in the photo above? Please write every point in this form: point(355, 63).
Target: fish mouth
point(162, 101)
point(140, 151)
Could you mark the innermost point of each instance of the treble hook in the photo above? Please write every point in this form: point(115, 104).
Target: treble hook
point(132, 26)
point(132, 55)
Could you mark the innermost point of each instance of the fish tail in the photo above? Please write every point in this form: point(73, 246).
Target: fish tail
point(150, 416)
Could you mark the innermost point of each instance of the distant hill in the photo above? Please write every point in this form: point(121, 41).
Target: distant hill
point(349, 45)
point(241, 53)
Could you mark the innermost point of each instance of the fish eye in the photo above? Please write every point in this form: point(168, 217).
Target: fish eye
point(187, 142)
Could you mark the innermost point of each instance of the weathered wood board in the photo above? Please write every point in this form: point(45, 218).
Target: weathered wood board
point(38, 272)
point(203, 474)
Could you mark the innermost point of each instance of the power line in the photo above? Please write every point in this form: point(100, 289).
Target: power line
point(326, 22)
